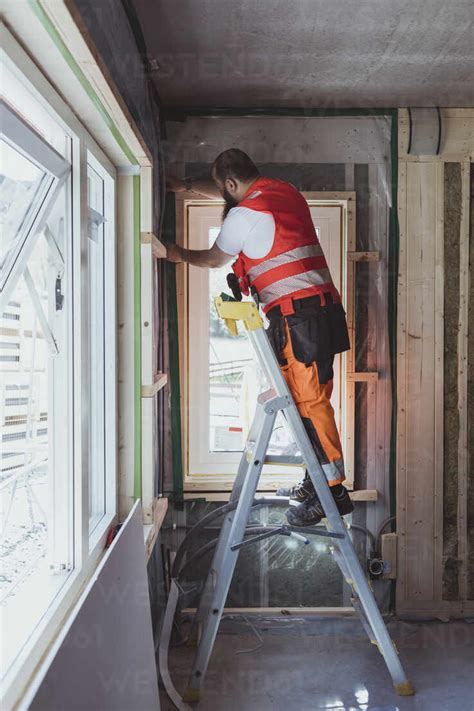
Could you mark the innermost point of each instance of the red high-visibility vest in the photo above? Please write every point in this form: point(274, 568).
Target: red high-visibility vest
point(295, 267)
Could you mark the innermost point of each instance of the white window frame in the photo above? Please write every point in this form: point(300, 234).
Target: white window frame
point(29, 143)
point(109, 435)
point(87, 549)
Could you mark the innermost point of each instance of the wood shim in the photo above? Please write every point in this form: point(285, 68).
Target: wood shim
point(157, 247)
point(159, 382)
point(363, 256)
point(362, 377)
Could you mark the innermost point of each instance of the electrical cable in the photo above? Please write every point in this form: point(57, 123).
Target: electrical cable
point(230, 506)
point(381, 529)
point(255, 529)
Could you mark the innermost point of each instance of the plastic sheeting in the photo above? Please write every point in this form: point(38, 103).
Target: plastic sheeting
point(327, 154)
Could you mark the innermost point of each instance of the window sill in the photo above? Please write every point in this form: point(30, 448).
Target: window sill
point(99, 533)
point(212, 490)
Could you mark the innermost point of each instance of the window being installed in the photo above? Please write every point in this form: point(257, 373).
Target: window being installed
point(223, 375)
point(57, 295)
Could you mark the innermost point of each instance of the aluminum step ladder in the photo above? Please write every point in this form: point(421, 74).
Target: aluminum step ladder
point(231, 538)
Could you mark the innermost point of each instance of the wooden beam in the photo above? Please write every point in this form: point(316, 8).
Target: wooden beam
point(284, 611)
point(159, 382)
point(147, 267)
point(362, 377)
point(363, 256)
point(420, 377)
point(402, 367)
point(362, 495)
point(151, 531)
point(389, 554)
point(349, 359)
point(158, 248)
point(463, 372)
point(125, 279)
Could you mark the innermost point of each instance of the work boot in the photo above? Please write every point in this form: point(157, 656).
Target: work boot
point(301, 492)
point(310, 512)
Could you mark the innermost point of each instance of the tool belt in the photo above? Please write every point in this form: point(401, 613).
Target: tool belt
point(317, 328)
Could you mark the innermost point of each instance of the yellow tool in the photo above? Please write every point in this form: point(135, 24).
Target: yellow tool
point(233, 311)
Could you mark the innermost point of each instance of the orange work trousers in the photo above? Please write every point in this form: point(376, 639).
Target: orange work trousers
point(311, 387)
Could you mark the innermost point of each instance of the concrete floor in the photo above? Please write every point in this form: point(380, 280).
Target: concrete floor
point(328, 663)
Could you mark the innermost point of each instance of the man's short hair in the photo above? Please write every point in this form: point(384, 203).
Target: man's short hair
point(236, 164)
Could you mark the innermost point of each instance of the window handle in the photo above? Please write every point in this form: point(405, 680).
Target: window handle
point(59, 296)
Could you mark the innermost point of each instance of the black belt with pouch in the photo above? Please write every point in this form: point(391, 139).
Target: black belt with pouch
point(317, 331)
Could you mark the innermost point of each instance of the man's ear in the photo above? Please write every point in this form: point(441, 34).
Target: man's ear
point(231, 185)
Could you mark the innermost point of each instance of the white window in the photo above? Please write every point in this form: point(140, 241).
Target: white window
point(57, 359)
point(223, 377)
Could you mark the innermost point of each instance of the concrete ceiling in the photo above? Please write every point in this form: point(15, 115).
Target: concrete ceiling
point(310, 53)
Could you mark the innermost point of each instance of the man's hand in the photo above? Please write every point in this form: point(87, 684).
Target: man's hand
point(173, 253)
point(174, 184)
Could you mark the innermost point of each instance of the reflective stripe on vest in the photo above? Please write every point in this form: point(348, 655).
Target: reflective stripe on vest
point(311, 250)
point(283, 287)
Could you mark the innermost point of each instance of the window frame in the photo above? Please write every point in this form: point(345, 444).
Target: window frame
point(213, 484)
point(87, 550)
point(99, 523)
point(16, 132)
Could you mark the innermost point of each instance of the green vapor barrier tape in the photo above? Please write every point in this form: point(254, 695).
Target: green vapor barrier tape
point(39, 11)
point(137, 475)
point(169, 232)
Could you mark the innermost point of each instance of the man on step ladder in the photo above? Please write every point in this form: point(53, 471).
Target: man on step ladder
point(268, 228)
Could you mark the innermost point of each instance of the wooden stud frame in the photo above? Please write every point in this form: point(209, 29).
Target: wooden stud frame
point(463, 452)
point(420, 366)
point(346, 200)
point(151, 382)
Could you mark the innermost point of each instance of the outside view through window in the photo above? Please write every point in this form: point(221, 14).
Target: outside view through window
point(34, 338)
point(24, 388)
point(235, 377)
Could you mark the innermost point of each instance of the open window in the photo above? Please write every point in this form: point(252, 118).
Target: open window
point(220, 374)
point(36, 384)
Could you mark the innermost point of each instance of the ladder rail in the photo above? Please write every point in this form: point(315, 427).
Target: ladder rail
point(334, 520)
point(226, 556)
point(206, 594)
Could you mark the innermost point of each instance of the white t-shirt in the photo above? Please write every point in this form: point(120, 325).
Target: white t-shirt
point(248, 231)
